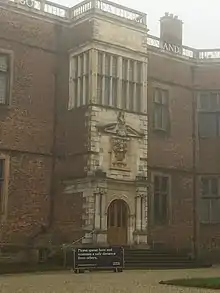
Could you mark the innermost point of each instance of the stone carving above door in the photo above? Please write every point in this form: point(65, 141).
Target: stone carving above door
point(121, 134)
point(119, 152)
point(120, 128)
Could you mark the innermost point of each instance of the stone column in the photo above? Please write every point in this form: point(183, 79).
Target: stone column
point(138, 213)
point(143, 220)
point(100, 219)
point(97, 210)
point(141, 227)
point(103, 214)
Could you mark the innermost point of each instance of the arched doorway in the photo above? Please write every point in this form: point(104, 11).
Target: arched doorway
point(117, 222)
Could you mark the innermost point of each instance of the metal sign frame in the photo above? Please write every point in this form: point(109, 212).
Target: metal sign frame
point(92, 266)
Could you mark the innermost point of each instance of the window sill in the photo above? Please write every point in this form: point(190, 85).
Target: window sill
point(4, 106)
point(158, 225)
point(161, 132)
point(209, 137)
point(210, 224)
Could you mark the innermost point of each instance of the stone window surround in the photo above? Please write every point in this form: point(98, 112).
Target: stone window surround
point(4, 203)
point(10, 55)
point(162, 174)
point(211, 112)
point(205, 176)
point(93, 49)
point(157, 85)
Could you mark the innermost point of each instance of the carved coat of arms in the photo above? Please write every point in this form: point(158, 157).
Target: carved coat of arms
point(121, 133)
point(120, 142)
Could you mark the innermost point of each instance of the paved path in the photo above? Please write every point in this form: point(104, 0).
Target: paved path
point(104, 282)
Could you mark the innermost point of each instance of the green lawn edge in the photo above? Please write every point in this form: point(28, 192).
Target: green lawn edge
point(206, 283)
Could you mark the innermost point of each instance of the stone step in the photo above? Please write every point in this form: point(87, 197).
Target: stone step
point(150, 258)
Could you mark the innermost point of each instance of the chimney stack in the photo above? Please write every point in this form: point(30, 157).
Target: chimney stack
point(171, 29)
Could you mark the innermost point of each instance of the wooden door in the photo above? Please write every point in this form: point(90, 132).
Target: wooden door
point(117, 223)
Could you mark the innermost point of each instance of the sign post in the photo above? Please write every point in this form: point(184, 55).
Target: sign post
point(103, 258)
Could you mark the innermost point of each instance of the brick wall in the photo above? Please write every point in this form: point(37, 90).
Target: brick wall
point(26, 133)
point(172, 154)
point(39, 108)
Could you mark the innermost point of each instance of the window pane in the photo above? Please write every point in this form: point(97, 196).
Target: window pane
point(99, 89)
point(124, 96)
point(164, 208)
point(156, 183)
point(107, 64)
point(87, 62)
point(164, 97)
point(164, 184)
point(205, 186)
point(207, 124)
point(157, 96)
point(2, 169)
point(139, 72)
point(165, 118)
point(138, 97)
point(131, 95)
point(3, 63)
point(81, 90)
point(205, 210)
point(76, 91)
point(218, 122)
point(214, 186)
point(215, 210)
point(1, 196)
point(156, 207)
point(124, 69)
point(114, 66)
point(3, 87)
point(100, 56)
point(213, 101)
point(107, 90)
point(204, 101)
point(114, 92)
point(87, 89)
point(76, 67)
point(131, 70)
point(81, 64)
point(158, 117)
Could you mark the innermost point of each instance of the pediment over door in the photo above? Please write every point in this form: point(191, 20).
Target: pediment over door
point(120, 128)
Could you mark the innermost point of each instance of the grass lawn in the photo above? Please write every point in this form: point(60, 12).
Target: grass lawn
point(208, 283)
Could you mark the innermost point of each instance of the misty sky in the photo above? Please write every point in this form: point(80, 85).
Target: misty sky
point(200, 17)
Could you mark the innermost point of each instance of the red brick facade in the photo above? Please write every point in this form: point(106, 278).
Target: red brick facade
point(47, 144)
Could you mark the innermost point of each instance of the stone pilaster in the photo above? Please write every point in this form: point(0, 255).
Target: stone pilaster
point(140, 235)
point(100, 214)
